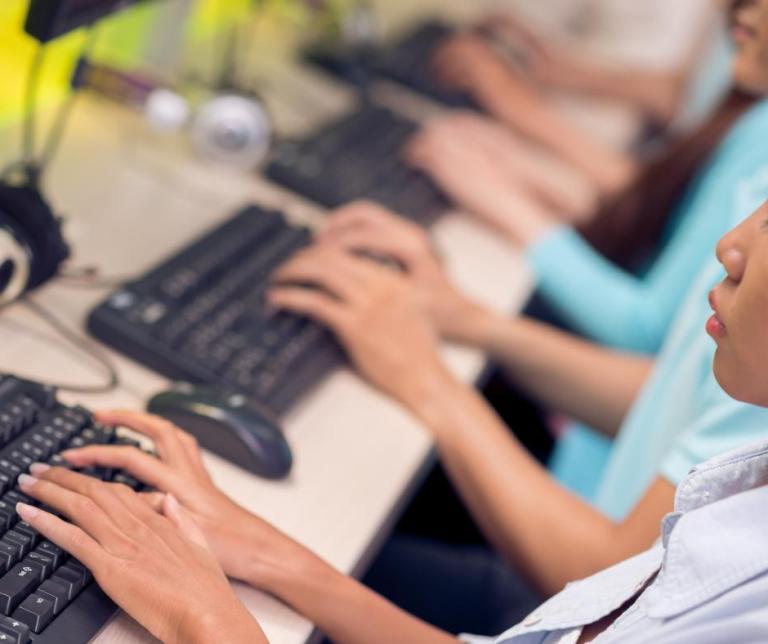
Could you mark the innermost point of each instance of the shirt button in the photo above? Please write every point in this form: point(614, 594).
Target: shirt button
point(532, 619)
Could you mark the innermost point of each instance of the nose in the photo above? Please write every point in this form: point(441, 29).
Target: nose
point(731, 256)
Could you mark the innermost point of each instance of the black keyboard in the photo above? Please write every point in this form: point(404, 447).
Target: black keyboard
point(407, 62)
point(200, 316)
point(46, 596)
point(359, 157)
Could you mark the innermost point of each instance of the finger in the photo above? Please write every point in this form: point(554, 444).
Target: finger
point(154, 500)
point(141, 466)
point(378, 242)
point(161, 431)
point(183, 522)
point(65, 535)
point(81, 510)
point(337, 273)
point(311, 304)
point(359, 213)
point(109, 497)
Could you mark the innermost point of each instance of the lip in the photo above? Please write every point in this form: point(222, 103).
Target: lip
point(715, 325)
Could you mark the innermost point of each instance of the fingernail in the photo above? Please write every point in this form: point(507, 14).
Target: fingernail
point(25, 480)
point(172, 502)
point(39, 468)
point(26, 512)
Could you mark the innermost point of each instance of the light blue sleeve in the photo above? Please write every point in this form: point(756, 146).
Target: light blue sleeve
point(627, 312)
point(608, 304)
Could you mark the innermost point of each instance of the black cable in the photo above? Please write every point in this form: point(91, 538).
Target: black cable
point(90, 277)
point(59, 126)
point(30, 107)
point(85, 346)
point(30, 169)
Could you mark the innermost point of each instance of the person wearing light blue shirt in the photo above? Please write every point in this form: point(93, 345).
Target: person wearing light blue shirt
point(704, 581)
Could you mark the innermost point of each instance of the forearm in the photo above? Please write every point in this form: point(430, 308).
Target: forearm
point(583, 380)
point(549, 534)
point(343, 609)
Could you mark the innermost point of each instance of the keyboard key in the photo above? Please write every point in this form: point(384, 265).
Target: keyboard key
point(54, 551)
point(16, 584)
point(23, 541)
point(27, 530)
point(73, 580)
point(55, 593)
point(44, 561)
point(36, 612)
point(10, 555)
point(12, 631)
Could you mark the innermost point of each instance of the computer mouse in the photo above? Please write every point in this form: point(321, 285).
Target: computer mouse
point(230, 425)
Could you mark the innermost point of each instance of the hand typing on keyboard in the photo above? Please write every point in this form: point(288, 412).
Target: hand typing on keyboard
point(368, 226)
point(152, 564)
point(374, 312)
point(247, 547)
point(250, 549)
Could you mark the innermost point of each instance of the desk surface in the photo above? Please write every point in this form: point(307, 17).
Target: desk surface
point(130, 200)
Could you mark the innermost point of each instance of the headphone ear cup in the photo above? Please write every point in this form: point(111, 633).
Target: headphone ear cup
point(28, 217)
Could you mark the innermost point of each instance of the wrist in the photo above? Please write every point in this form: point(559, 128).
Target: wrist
point(230, 622)
point(471, 325)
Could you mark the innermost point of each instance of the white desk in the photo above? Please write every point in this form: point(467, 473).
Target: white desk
point(130, 203)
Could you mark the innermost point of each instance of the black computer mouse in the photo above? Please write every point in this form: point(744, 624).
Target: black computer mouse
point(229, 425)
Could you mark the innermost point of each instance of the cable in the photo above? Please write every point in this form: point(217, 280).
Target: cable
point(59, 126)
point(30, 169)
point(85, 346)
point(30, 105)
point(90, 277)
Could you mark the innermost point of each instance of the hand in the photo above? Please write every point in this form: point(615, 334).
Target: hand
point(468, 63)
point(365, 226)
point(157, 567)
point(466, 168)
point(247, 547)
point(541, 175)
point(542, 60)
point(373, 311)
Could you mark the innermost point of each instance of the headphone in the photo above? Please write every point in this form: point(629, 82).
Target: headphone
point(32, 247)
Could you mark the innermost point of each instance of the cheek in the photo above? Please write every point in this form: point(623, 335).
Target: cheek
point(742, 360)
point(750, 67)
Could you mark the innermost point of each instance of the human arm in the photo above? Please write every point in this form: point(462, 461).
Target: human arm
point(448, 146)
point(522, 511)
point(588, 382)
point(251, 550)
point(469, 63)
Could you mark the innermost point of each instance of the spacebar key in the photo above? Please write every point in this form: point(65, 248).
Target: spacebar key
point(15, 586)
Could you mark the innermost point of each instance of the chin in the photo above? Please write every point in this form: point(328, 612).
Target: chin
point(724, 376)
point(748, 77)
point(733, 381)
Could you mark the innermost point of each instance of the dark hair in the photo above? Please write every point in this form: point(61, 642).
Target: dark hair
point(628, 228)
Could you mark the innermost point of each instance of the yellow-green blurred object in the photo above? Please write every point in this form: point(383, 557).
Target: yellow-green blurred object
point(121, 41)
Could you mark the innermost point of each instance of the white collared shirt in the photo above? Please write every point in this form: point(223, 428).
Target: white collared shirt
point(711, 568)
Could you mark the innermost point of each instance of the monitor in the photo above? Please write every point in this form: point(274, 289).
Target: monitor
point(49, 19)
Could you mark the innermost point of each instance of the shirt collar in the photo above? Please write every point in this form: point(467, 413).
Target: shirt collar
point(716, 539)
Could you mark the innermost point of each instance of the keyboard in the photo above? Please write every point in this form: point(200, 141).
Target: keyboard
point(407, 62)
point(46, 596)
point(359, 157)
point(200, 316)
